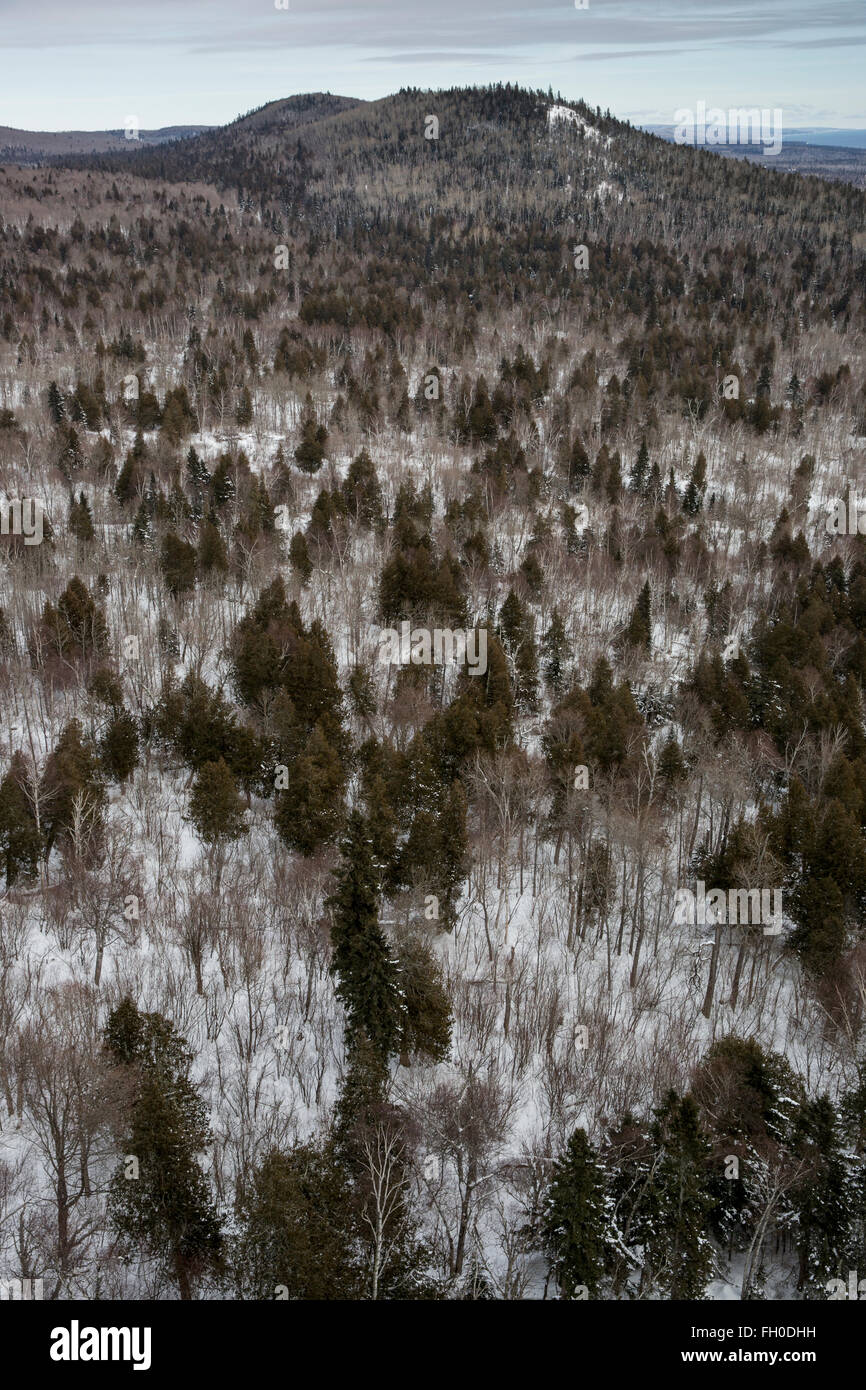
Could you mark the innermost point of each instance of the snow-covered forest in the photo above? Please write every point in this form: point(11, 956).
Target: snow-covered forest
point(329, 968)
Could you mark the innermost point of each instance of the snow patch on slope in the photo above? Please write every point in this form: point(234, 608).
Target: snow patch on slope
point(605, 190)
point(555, 114)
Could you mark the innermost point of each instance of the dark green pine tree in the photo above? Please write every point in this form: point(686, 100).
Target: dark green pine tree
point(222, 484)
point(71, 772)
point(381, 818)
point(575, 1219)
point(653, 488)
point(142, 530)
point(579, 466)
point(215, 808)
point(481, 420)
point(308, 813)
point(56, 407)
point(310, 453)
point(216, 811)
point(161, 1207)
point(177, 561)
point(124, 488)
point(516, 631)
point(362, 961)
point(640, 470)
point(197, 471)
point(244, 412)
point(491, 694)
point(362, 492)
point(450, 848)
point(693, 497)
point(299, 555)
point(119, 746)
point(362, 1101)
point(211, 557)
point(825, 1200)
point(671, 764)
point(81, 520)
point(76, 628)
point(554, 651)
point(298, 1229)
point(20, 840)
point(639, 630)
point(425, 1023)
point(677, 1251)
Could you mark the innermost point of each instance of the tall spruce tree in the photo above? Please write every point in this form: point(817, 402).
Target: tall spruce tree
point(216, 811)
point(72, 779)
point(694, 494)
point(298, 1236)
point(119, 746)
point(310, 452)
point(554, 649)
point(640, 470)
point(579, 466)
point(825, 1199)
point(161, 1206)
point(177, 561)
point(425, 1017)
point(20, 840)
point(516, 630)
point(308, 813)
point(81, 519)
point(677, 1251)
point(575, 1219)
point(639, 630)
point(363, 963)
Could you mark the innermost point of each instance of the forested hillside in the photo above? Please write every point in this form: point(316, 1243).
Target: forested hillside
point(333, 969)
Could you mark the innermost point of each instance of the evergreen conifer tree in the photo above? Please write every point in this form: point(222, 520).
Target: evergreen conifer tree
point(81, 520)
point(309, 810)
point(677, 1250)
point(640, 470)
point(215, 808)
point(575, 1219)
point(518, 637)
point(554, 650)
point(165, 1210)
point(177, 562)
point(20, 840)
point(639, 630)
point(362, 961)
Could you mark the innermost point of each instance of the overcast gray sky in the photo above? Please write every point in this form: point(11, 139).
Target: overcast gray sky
point(91, 64)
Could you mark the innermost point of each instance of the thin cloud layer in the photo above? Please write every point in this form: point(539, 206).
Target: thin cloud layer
point(208, 59)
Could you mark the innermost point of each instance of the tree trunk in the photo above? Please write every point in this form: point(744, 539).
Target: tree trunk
point(460, 1253)
point(181, 1273)
point(707, 1008)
